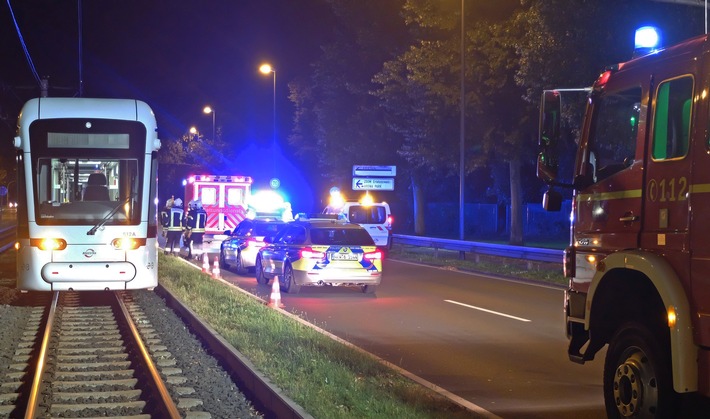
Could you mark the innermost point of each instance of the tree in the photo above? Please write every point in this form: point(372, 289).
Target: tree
point(337, 123)
point(420, 90)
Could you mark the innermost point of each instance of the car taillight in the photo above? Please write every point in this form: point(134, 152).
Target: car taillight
point(309, 253)
point(374, 255)
point(389, 222)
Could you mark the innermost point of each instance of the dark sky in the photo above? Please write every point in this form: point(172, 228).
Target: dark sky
point(176, 55)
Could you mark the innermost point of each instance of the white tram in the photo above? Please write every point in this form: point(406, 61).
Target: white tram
point(87, 185)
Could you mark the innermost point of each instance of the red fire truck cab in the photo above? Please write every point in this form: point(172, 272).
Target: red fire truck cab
point(639, 259)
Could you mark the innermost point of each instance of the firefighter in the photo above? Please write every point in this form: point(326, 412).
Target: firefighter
point(165, 214)
point(196, 221)
point(173, 224)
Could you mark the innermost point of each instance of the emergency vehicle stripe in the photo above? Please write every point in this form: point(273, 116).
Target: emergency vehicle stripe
point(607, 196)
point(633, 193)
point(700, 188)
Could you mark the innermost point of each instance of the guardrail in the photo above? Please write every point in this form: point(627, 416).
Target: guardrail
point(535, 254)
point(7, 238)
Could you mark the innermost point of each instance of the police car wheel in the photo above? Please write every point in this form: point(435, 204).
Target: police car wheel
point(369, 289)
point(290, 283)
point(259, 273)
point(222, 261)
point(240, 264)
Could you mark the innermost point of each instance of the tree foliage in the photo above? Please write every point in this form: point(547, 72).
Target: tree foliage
point(395, 86)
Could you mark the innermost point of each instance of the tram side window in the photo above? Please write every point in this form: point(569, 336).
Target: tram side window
point(672, 118)
point(614, 130)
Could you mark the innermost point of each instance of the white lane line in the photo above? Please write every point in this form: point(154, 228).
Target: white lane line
point(489, 311)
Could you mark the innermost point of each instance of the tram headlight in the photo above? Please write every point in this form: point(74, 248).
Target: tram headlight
point(127, 243)
point(49, 244)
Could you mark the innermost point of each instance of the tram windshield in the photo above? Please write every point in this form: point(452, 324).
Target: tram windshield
point(85, 191)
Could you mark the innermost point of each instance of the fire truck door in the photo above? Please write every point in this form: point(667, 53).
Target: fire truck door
point(608, 211)
point(665, 218)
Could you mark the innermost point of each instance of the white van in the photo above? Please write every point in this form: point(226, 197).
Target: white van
point(376, 218)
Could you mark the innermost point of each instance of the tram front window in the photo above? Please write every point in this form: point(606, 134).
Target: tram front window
point(85, 191)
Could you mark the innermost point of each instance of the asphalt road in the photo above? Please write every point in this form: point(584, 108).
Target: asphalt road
point(498, 344)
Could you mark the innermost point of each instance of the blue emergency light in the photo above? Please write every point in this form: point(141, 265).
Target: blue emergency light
point(647, 40)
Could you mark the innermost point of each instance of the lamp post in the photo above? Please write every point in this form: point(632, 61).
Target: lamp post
point(462, 255)
point(211, 110)
point(266, 69)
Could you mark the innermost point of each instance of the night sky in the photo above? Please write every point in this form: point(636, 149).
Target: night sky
point(177, 56)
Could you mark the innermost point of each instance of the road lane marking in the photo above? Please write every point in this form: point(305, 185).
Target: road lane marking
point(489, 311)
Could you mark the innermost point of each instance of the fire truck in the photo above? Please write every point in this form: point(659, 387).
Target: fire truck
point(224, 198)
point(638, 263)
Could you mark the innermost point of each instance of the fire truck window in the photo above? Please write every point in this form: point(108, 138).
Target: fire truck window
point(671, 126)
point(613, 135)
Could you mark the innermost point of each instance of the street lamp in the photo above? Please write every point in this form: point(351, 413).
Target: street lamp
point(266, 69)
point(208, 109)
point(462, 132)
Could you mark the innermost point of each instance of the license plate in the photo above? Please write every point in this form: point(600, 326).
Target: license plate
point(343, 256)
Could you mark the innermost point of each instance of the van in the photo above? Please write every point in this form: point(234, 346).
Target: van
point(376, 218)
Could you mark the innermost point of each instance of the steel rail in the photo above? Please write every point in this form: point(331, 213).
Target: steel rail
point(31, 411)
point(168, 403)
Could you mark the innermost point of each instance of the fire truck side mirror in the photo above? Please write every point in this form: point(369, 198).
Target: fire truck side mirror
point(551, 200)
point(549, 136)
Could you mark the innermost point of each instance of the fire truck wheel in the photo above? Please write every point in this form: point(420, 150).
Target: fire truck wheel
point(291, 286)
point(259, 272)
point(240, 265)
point(637, 376)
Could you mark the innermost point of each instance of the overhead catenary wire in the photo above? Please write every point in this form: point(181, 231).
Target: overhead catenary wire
point(24, 46)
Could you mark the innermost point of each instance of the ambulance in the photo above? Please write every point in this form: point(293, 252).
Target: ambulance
point(224, 198)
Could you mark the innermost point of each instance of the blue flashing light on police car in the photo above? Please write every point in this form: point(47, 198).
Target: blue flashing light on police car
point(647, 40)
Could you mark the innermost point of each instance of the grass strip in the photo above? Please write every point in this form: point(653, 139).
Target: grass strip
point(328, 379)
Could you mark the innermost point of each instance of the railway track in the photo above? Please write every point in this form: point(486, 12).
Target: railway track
point(84, 356)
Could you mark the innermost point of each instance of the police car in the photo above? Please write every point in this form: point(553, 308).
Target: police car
point(320, 250)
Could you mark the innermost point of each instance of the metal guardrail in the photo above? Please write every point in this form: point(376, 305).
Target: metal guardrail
point(508, 251)
point(7, 238)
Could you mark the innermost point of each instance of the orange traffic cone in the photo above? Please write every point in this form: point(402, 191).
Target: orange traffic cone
point(205, 263)
point(215, 269)
point(275, 300)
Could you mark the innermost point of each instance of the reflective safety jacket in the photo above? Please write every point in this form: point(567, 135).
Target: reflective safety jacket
point(172, 220)
point(196, 220)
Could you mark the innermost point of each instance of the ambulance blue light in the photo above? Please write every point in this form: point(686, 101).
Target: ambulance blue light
point(647, 38)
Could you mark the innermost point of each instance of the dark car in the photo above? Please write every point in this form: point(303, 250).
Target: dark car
point(240, 248)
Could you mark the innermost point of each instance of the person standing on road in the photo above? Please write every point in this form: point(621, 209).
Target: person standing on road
point(196, 222)
point(174, 227)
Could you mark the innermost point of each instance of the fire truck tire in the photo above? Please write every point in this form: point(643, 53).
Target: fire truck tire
point(259, 273)
point(638, 381)
point(290, 285)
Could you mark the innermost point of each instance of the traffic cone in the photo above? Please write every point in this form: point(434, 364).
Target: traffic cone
point(215, 269)
point(275, 300)
point(205, 263)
